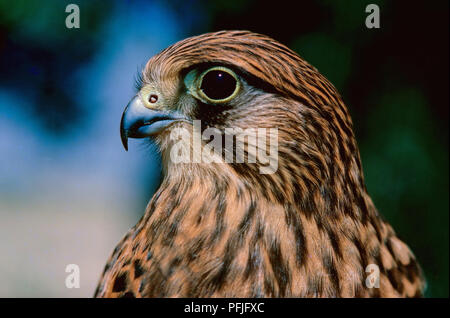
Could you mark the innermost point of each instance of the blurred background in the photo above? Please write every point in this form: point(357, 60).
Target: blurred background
point(68, 190)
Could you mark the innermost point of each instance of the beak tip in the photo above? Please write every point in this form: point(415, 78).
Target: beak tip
point(125, 142)
point(123, 132)
point(124, 138)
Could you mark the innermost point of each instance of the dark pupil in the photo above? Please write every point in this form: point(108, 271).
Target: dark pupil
point(218, 84)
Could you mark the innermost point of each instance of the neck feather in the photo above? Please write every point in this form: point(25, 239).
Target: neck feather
point(209, 224)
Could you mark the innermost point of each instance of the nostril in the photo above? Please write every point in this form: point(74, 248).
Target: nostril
point(153, 98)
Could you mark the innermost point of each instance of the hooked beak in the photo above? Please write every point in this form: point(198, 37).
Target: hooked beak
point(139, 121)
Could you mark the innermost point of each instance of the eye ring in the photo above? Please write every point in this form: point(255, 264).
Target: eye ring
point(233, 94)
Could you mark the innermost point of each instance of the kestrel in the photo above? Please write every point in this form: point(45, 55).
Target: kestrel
point(223, 228)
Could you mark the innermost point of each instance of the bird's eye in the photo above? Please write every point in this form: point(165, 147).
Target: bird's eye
point(218, 84)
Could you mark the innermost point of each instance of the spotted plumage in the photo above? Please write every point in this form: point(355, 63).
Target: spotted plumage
point(223, 229)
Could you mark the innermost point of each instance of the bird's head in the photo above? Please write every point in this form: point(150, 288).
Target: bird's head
point(242, 80)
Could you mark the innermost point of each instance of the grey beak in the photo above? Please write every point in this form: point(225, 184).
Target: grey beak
point(139, 121)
